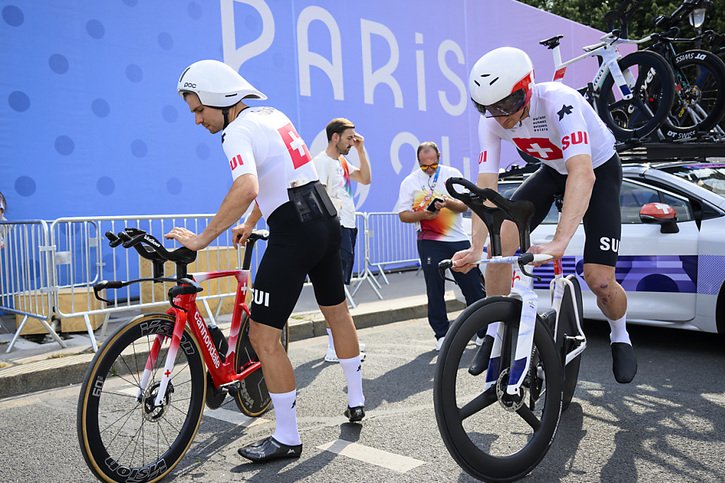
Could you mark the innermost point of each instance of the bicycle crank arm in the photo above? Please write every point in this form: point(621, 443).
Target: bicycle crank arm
point(578, 350)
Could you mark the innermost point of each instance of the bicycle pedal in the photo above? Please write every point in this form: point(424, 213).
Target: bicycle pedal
point(232, 388)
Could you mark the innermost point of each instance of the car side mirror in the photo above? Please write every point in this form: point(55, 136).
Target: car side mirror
point(661, 214)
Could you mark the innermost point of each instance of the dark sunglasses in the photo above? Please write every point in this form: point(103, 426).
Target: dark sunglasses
point(510, 104)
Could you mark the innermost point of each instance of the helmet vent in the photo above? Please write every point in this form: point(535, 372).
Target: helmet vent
point(493, 81)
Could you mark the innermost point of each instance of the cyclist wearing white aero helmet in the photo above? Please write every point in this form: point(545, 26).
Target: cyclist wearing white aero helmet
point(271, 166)
point(553, 123)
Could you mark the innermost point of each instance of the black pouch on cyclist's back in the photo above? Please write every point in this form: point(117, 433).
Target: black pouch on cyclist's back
point(311, 202)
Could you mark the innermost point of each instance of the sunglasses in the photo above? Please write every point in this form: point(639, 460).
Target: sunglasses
point(428, 166)
point(505, 107)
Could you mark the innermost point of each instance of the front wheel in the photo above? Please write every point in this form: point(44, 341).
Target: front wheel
point(123, 434)
point(493, 436)
point(253, 398)
point(651, 82)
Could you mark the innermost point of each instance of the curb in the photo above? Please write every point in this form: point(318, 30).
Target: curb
point(53, 372)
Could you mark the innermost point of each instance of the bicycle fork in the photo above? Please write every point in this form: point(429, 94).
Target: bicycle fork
point(524, 287)
point(168, 364)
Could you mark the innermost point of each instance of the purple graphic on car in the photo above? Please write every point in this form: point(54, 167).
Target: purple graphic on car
point(674, 274)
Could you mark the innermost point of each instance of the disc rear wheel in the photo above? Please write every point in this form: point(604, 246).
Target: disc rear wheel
point(252, 398)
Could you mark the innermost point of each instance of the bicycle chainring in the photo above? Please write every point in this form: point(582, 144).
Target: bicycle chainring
point(214, 397)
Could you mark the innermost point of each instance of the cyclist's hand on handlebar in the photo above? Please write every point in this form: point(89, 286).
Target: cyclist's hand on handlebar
point(465, 260)
point(554, 248)
point(186, 237)
point(240, 234)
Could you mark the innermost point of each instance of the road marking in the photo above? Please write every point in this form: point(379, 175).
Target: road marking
point(391, 461)
point(234, 417)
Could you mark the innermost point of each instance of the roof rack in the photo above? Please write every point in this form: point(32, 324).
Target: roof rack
point(673, 151)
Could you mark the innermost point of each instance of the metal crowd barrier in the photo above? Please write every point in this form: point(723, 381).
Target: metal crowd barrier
point(392, 243)
point(48, 269)
point(26, 279)
point(82, 257)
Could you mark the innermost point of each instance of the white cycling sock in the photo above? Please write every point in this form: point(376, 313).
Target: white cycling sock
point(353, 375)
point(330, 342)
point(619, 330)
point(492, 329)
point(285, 410)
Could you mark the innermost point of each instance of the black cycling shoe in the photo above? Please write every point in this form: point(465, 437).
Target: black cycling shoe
point(480, 360)
point(624, 362)
point(269, 449)
point(355, 414)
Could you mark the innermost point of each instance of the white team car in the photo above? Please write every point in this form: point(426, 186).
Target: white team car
point(673, 269)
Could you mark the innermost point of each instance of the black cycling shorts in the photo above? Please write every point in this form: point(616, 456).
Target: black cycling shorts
point(295, 250)
point(602, 221)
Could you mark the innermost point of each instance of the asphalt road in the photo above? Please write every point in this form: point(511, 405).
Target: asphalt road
point(669, 425)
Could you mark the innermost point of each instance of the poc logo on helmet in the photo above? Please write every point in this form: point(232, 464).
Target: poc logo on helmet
point(190, 84)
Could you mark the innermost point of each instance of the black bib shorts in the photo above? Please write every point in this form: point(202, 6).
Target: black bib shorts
point(602, 220)
point(296, 249)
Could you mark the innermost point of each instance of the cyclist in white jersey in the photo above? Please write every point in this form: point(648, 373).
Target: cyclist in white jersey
point(272, 167)
point(554, 124)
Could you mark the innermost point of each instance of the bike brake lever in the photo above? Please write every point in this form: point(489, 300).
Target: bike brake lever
point(444, 265)
point(524, 260)
point(104, 284)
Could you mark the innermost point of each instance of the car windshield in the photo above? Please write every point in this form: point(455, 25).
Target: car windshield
point(707, 175)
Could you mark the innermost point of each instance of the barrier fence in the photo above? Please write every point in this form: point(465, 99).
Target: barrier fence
point(48, 268)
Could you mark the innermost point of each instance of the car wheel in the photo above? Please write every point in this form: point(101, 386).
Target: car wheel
point(720, 311)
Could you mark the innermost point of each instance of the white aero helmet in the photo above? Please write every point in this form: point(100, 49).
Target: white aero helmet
point(216, 84)
point(501, 82)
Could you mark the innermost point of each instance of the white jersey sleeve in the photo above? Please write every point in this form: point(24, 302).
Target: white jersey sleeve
point(240, 154)
point(490, 143)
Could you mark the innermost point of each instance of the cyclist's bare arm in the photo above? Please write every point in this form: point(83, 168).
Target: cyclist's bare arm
point(577, 194)
point(241, 232)
point(241, 194)
point(465, 260)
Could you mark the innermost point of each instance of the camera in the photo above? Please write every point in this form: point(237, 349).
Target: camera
point(432, 205)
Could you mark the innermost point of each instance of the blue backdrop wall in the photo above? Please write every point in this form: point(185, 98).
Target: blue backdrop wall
point(91, 124)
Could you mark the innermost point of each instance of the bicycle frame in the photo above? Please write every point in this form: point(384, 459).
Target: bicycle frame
point(523, 288)
point(557, 287)
point(184, 309)
point(607, 50)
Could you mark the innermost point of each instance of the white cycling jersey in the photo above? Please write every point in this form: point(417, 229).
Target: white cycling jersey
point(561, 124)
point(262, 141)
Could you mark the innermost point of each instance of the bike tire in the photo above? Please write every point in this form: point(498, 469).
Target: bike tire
point(700, 84)
point(252, 397)
point(653, 94)
point(567, 326)
point(122, 438)
point(467, 437)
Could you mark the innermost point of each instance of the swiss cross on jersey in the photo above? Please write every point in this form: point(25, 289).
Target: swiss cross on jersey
point(295, 145)
point(541, 148)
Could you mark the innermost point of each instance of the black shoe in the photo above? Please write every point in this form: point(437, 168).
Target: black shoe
point(624, 362)
point(480, 360)
point(355, 414)
point(269, 449)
